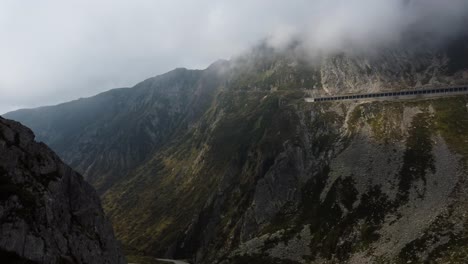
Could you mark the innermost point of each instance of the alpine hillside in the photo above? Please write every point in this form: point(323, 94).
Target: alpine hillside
point(231, 165)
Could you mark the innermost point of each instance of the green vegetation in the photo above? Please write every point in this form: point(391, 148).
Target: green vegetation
point(384, 119)
point(451, 121)
point(237, 139)
point(418, 158)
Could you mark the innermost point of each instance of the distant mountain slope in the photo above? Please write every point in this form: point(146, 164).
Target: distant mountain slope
point(107, 135)
point(230, 165)
point(48, 213)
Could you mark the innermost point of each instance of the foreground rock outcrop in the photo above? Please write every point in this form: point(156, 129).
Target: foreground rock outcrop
point(48, 213)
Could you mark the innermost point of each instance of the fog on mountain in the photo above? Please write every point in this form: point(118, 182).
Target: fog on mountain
point(335, 132)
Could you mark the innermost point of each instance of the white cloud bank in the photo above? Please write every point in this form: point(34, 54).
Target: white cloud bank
point(54, 50)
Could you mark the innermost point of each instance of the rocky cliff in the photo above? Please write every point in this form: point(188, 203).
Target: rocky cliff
point(234, 166)
point(48, 214)
point(107, 136)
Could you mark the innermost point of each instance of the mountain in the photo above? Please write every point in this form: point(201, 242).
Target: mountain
point(231, 165)
point(117, 130)
point(48, 213)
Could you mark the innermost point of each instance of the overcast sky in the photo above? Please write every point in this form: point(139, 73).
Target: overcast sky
point(53, 51)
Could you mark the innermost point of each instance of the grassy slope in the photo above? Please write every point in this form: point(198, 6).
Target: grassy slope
point(179, 176)
point(241, 133)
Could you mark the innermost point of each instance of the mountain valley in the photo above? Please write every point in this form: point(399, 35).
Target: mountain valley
point(231, 165)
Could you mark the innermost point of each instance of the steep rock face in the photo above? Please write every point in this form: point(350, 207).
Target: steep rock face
point(408, 65)
point(282, 181)
point(252, 173)
point(48, 214)
point(396, 68)
point(376, 182)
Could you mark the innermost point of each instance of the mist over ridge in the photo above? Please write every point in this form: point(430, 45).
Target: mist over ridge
point(82, 48)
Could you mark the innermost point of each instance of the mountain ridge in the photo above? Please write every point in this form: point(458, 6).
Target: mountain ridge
point(233, 166)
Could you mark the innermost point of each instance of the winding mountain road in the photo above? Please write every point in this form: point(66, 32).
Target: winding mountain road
point(443, 91)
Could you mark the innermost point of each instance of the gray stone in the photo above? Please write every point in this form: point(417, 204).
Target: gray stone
point(48, 213)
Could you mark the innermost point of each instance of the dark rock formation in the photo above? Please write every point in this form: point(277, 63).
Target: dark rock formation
point(48, 214)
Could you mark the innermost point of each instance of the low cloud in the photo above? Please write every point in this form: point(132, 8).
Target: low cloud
point(54, 50)
point(335, 25)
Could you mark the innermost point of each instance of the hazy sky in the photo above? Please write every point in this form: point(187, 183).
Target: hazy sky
point(57, 50)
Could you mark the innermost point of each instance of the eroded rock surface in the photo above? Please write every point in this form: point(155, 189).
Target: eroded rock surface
point(48, 214)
